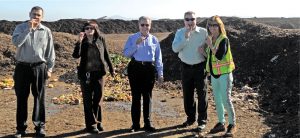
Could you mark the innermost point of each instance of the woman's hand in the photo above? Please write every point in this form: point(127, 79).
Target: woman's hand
point(208, 41)
point(201, 50)
point(81, 36)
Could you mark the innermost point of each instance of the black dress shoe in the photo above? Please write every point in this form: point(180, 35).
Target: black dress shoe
point(100, 127)
point(187, 123)
point(92, 130)
point(149, 128)
point(219, 127)
point(20, 134)
point(40, 133)
point(135, 128)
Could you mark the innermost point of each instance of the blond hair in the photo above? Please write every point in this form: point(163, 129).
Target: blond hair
point(218, 20)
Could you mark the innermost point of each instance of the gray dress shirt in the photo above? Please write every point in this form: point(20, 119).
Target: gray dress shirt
point(34, 45)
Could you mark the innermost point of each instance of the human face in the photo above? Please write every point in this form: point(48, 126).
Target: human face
point(89, 30)
point(190, 21)
point(36, 15)
point(144, 26)
point(214, 28)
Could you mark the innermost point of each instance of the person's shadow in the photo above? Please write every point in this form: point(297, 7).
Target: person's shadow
point(126, 133)
point(13, 135)
point(123, 133)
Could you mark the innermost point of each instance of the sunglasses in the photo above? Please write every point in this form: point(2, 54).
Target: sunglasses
point(89, 28)
point(213, 25)
point(189, 19)
point(147, 25)
point(36, 14)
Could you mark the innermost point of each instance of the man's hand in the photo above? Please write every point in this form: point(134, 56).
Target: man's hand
point(33, 23)
point(140, 40)
point(188, 32)
point(48, 74)
point(160, 80)
point(112, 73)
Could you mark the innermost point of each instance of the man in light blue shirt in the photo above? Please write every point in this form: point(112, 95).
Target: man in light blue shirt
point(187, 43)
point(144, 50)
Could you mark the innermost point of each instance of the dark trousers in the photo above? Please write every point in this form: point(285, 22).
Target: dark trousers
point(141, 79)
point(193, 78)
point(34, 77)
point(92, 99)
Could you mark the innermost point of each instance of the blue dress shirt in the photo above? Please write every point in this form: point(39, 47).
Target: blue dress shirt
point(148, 50)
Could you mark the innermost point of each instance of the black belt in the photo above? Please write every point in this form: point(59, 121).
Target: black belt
point(192, 66)
point(30, 64)
point(142, 62)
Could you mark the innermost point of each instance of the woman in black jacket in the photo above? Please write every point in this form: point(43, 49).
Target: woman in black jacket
point(91, 48)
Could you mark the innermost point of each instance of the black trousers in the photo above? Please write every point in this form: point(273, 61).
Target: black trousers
point(34, 77)
point(141, 79)
point(193, 78)
point(92, 99)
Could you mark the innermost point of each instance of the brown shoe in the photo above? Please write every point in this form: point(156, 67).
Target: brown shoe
point(219, 127)
point(231, 129)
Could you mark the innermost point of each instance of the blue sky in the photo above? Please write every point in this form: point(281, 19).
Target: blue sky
point(18, 10)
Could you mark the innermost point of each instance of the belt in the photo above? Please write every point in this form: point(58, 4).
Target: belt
point(192, 66)
point(30, 64)
point(143, 62)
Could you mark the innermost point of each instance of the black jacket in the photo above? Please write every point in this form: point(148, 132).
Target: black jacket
point(80, 51)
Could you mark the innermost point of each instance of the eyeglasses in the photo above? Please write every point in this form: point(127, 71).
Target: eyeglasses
point(147, 25)
point(89, 28)
point(213, 25)
point(189, 19)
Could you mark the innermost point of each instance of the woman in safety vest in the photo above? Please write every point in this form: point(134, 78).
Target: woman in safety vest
point(220, 66)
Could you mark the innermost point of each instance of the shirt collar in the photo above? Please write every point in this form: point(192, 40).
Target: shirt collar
point(41, 27)
point(197, 29)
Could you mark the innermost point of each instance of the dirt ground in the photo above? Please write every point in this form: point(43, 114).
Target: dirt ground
point(168, 114)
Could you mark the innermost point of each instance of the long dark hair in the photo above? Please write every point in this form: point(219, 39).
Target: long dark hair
point(95, 25)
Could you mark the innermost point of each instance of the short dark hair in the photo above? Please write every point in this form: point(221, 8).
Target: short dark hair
point(37, 8)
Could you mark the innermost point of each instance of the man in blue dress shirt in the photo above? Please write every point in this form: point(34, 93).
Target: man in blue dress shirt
point(146, 59)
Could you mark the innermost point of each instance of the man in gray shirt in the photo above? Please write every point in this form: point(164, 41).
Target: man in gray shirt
point(35, 57)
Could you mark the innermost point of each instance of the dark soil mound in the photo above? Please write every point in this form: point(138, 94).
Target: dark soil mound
point(73, 26)
point(266, 58)
point(108, 26)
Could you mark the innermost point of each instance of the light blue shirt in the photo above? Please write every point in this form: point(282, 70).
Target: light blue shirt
point(148, 50)
point(188, 48)
point(34, 45)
